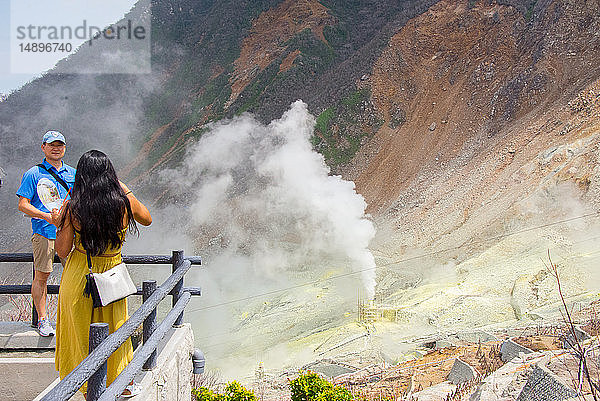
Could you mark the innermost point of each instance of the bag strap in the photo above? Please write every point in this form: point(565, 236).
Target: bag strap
point(60, 180)
point(89, 260)
point(90, 285)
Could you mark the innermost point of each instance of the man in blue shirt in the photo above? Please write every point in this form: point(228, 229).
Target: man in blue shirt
point(43, 188)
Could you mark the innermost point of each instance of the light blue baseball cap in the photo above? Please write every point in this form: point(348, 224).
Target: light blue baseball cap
point(52, 136)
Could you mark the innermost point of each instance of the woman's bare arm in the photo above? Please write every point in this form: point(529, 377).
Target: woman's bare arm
point(140, 212)
point(64, 234)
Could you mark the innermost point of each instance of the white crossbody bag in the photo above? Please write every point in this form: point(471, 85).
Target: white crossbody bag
point(110, 286)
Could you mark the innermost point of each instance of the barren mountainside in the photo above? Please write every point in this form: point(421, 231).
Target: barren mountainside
point(483, 106)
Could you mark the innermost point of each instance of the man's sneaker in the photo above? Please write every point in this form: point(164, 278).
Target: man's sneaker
point(45, 328)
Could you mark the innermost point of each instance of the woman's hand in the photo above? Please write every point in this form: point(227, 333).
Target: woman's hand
point(57, 214)
point(55, 217)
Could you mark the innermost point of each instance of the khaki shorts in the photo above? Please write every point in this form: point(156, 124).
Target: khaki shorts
point(43, 253)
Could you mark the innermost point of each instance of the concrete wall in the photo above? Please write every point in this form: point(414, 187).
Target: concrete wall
point(461, 372)
point(171, 379)
point(543, 385)
point(24, 378)
point(511, 349)
point(26, 361)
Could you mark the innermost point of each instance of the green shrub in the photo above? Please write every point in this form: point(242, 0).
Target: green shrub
point(204, 394)
point(340, 129)
point(336, 393)
point(311, 387)
point(233, 392)
point(236, 392)
point(529, 13)
point(308, 386)
point(323, 120)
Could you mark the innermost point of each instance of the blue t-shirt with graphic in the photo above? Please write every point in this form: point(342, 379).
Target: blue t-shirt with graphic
point(45, 193)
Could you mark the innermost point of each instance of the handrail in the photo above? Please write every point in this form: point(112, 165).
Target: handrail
point(76, 378)
point(23, 289)
point(132, 259)
point(90, 369)
point(143, 353)
point(53, 288)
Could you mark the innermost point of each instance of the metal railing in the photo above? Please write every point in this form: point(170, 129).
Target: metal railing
point(52, 289)
point(93, 368)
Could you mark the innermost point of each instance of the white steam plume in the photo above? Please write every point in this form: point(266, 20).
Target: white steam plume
point(264, 197)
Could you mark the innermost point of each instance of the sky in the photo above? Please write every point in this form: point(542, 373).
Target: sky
point(57, 13)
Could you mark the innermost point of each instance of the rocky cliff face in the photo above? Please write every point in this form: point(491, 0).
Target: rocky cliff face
point(480, 106)
point(489, 140)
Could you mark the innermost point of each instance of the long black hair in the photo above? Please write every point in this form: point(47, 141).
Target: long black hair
point(99, 204)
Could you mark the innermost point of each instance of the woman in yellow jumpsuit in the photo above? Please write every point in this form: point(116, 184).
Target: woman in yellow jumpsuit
point(95, 220)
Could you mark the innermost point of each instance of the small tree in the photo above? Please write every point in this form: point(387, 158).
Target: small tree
point(579, 349)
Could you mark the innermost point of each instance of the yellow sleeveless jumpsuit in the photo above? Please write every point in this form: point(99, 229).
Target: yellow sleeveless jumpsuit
point(75, 313)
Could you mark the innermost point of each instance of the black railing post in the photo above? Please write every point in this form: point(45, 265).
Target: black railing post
point(178, 289)
point(148, 288)
point(97, 382)
point(34, 315)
